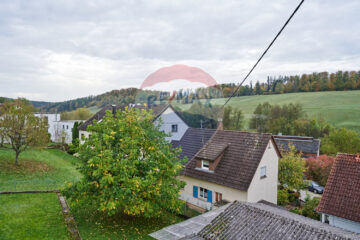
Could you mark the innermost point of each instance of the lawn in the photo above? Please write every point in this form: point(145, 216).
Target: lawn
point(95, 225)
point(341, 108)
point(46, 169)
point(38, 216)
point(31, 216)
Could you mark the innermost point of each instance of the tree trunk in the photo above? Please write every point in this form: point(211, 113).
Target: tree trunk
point(17, 158)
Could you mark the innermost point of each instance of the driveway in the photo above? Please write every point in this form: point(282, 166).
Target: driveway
point(303, 194)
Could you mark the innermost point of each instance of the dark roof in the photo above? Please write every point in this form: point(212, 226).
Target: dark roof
point(259, 221)
point(341, 196)
point(302, 144)
point(212, 150)
point(157, 110)
point(193, 140)
point(239, 162)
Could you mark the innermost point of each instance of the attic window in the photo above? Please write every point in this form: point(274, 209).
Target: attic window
point(263, 172)
point(269, 147)
point(174, 128)
point(205, 164)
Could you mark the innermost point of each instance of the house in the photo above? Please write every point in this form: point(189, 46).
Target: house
point(60, 130)
point(171, 122)
point(227, 166)
point(340, 203)
point(307, 146)
point(261, 221)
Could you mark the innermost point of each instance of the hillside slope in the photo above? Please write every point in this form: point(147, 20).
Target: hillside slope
point(342, 108)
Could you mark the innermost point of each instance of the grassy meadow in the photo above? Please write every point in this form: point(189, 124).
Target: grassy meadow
point(341, 108)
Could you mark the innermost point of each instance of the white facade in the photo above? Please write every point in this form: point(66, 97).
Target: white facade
point(260, 188)
point(172, 124)
point(341, 222)
point(58, 129)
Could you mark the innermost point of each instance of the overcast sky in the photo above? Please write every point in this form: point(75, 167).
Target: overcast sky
point(60, 50)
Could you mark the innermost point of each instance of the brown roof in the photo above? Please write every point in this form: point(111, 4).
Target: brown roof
point(341, 196)
point(212, 150)
point(157, 110)
point(239, 162)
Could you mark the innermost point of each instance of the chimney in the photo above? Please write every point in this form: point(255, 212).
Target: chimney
point(220, 124)
point(113, 108)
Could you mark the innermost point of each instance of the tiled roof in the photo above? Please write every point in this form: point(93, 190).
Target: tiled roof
point(157, 110)
point(259, 221)
point(302, 144)
point(239, 162)
point(341, 196)
point(212, 150)
point(193, 140)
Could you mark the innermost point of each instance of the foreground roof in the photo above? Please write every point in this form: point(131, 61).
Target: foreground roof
point(157, 110)
point(193, 140)
point(259, 221)
point(242, 152)
point(341, 196)
point(302, 144)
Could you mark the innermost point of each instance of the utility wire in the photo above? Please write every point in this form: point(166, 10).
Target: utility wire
point(272, 42)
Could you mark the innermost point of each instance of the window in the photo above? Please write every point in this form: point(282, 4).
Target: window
point(67, 126)
point(174, 128)
point(82, 136)
point(263, 172)
point(63, 126)
point(205, 164)
point(203, 193)
point(218, 197)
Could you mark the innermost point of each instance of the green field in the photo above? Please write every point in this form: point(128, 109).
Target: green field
point(342, 109)
point(31, 216)
point(46, 169)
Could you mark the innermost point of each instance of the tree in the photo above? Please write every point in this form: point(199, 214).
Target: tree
point(233, 119)
point(341, 140)
point(75, 132)
point(128, 167)
point(78, 114)
point(318, 169)
point(291, 169)
point(22, 128)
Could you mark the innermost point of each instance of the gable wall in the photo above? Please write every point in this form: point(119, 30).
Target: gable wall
point(169, 117)
point(266, 188)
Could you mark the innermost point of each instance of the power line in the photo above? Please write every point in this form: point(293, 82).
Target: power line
point(272, 42)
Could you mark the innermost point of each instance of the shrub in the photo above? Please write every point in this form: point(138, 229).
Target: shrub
point(318, 169)
point(283, 197)
point(309, 207)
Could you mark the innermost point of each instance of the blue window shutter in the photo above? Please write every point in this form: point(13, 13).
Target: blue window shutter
point(209, 196)
point(195, 191)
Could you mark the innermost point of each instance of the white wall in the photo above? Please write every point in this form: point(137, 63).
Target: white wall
point(266, 188)
point(342, 223)
point(229, 194)
point(169, 117)
point(52, 119)
point(63, 128)
point(83, 135)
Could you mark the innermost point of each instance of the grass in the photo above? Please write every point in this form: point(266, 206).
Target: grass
point(95, 225)
point(341, 108)
point(31, 216)
point(46, 169)
point(38, 216)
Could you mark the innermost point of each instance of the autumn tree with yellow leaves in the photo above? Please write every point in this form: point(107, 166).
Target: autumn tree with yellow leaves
point(128, 167)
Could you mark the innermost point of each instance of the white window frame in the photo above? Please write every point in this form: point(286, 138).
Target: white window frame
point(203, 192)
point(263, 172)
point(203, 166)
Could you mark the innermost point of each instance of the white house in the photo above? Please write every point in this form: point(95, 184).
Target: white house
point(228, 166)
point(171, 122)
point(340, 203)
point(58, 129)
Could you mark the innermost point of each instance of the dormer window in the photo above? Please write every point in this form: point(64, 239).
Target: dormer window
point(205, 164)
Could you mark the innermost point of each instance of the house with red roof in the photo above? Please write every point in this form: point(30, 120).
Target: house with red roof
point(340, 203)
